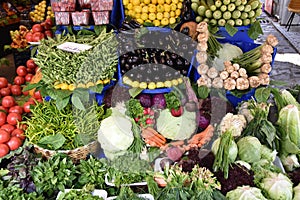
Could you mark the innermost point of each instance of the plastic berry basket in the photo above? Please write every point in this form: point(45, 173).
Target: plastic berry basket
point(62, 18)
point(63, 5)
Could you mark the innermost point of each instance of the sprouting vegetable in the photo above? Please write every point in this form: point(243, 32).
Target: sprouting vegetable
point(245, 193)
point(277, 186)
point(249, 149)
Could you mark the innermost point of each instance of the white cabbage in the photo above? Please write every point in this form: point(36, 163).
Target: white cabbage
point(176, 128)
point(245, 193)
point(115, 134)
point(296, 192)
point(278, 186)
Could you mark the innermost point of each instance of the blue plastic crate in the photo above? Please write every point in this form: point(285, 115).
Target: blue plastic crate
point(240, 35)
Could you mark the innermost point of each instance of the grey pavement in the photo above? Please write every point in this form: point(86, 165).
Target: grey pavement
point(286, 67)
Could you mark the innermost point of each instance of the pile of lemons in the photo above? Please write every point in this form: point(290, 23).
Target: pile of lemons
point(40, 13)
point(157, 12)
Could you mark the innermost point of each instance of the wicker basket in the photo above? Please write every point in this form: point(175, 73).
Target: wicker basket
point(76, 155)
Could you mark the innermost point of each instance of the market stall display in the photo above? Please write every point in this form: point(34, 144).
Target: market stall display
point(140, 111)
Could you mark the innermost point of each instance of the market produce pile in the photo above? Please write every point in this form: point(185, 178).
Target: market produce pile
point(143, 114)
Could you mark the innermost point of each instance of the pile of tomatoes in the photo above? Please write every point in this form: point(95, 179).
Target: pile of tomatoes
point(13, 108)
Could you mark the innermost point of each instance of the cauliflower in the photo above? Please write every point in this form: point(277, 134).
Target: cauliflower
point(235, 123)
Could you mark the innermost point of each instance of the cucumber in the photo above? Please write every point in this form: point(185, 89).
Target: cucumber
point(213, 8)
point(238, 22)
point(258, 12)
point(223, 8)
point(221, 22)
point(241, 8)
point(231, 7)
point(210, 2)
point(252, 20)
point(231, 22)
point(218, 3)
point(199, 19)
point(226, 2)
point(201, 10)
point(227, 15)
point(246, 22)
point(244, 15)
point(236, 14)
point(213, 22)
point(208, 14)
point(247, 8)
point(238, 2)
point(251, 14)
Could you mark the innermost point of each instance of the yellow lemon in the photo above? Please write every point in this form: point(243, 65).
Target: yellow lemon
point(137, 9)
point(125, 2)
point(160, 8)
point(106, 81)
point(179, 5)
point(167, 8)
point(172, 20)
point(131, 13)
point(160, 85)
point(135, 84)
point(160, 2)
point(64, 86)
point(49, 8)
point(154, 2)
point(175, 1)
point(168, 84)
point(143, 85)
point(152, 16)
point(159, 16)
point(126, 12)
point(81, 85)
point(166, 14)
point(140, 21)
point(127, 81)
point(177, 12)
point(164, 21)
point(99, 82)
point(137, 16)
point(145, 9)
point(144, 16)
point(130, 6)
point(71, 87)
point(151, 85)
point(156, 22)
point(179, 80)
point(175, 82)
point(173, 6)
point(152, 8)
point(142, 4)
point(136, 2)
point(168, 1)
point(172, 14)
point(147, 1)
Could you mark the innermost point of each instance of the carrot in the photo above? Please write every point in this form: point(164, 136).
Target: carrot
point(203, 137)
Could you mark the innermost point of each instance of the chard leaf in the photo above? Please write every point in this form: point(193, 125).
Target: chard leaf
point(262, 94)
point(231, 30)
point(255, 30)
point(52, 142)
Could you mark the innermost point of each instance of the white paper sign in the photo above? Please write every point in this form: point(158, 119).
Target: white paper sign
point(74, 47)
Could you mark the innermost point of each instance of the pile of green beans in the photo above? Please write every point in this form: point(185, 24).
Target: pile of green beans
point(60, 66)
point(79, 127)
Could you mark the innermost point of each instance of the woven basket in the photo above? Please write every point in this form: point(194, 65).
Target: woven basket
point(76, 155)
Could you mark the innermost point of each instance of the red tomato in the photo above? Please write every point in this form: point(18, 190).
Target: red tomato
point(22, 126)
point(13, 118)
point(18, 133)
point(3, 109)
point(49, 34)
point(4, 136)
point(5, 91)
point(38, 36)
point(25, 93)
point(28, 77)
point(26, 106)
point(16, 109)
point(21, 70)
point(49, 22)
point(2, 118)
point(28, 37)
point(37, 28)
point(19, 80)
point(37, 95)
point(8, 127)
point(3, 82)
point(14, 143)
point(4, 149)
point(178, 112)
point(30, 64)
point(16, 90)
point(8, 101)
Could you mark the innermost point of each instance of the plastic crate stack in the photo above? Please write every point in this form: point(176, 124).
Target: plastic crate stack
point(68, 13)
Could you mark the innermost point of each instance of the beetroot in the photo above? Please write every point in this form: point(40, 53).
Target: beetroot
point(174, 153)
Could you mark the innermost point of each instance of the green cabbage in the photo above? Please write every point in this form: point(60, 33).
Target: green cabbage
point(176, 128)
point(296, 192)
point(245, 193)
point(115, 134)
point(289, 123)
point(249, 149)
point(267, 153)
point(277, 186)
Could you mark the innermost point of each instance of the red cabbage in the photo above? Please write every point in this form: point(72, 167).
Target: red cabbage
point(145, 100)
point(203, 120)
point(159, 101)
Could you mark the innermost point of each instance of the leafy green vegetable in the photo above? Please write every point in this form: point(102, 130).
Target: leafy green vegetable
point(55, 174)
point(134, 108)
point(255, 30)
point(127, 193)
point(230, 29)
point(84, 194)
point(172, 100)
point(249, 149)
point(245, 192)
point(52, 141)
